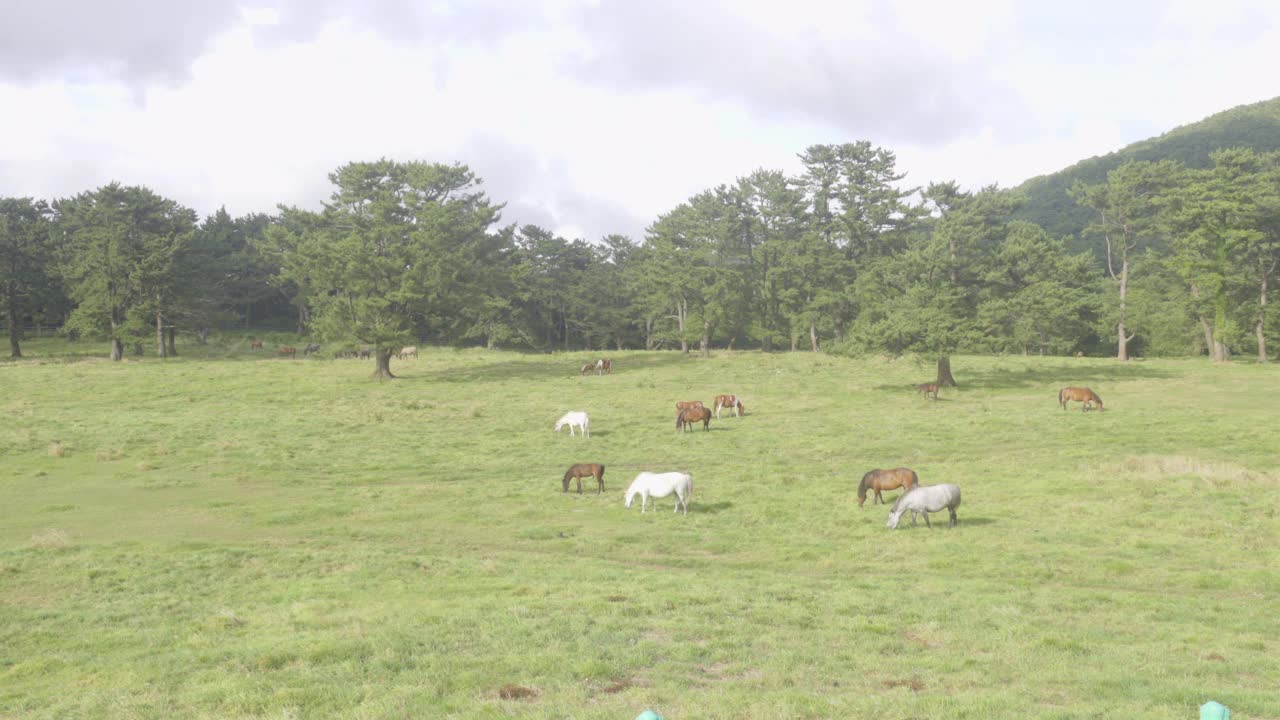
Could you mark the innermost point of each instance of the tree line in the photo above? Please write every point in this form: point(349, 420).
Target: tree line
point(843, 256)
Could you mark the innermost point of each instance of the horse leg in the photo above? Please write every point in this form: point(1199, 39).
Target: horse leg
point(579, 484)
point(953, 518)
point(926, 519)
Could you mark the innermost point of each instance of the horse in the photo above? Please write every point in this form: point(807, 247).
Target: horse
point(365, 353)
point(1082, 395)
point(928, 388)
point(659, 485)
point(290, 351)
point(1079, 353)
point(255, 344)
point(572, 418)
point(686, 404)
point(412, 350)
point(582, 470)
point(586, 369)
point(729, 402)
point(878, 480)
point(310, 348)
point(604, 366)
point(924, 500)
point(689, 416)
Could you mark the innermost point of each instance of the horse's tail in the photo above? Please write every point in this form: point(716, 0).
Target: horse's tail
point(915, 479)
point(1061, 392)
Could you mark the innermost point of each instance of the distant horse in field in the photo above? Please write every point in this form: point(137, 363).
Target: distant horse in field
point(659, 485)
point(928, 389)
point(255, 344)
point(285, 350)
point(575, 418)
point(729, 402)
point(366, 353)
point(604, 366)
point(586, 369)
point(310, 348)
point(407, 352)
point(878, 480)
point(1079, 353)
point(582, 470)
point(689, 416)
point(1082, 395)
point(924, 500)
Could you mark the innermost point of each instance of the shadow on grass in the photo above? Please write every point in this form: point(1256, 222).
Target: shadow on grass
point(710, 508)
point(1052, 377)
point(550, 367)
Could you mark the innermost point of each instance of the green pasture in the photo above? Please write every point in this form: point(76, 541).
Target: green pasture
point(230, 535)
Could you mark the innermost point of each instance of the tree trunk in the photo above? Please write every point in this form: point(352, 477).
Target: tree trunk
point(945, 378)
point(137, 348)
point(732, 340)
point(1221, 353)
point(648, 333)
point(1209, 345)
point(383, 369)
point(706, 339)
point(203, 336)
point(813, 336)
point(1260, 329)
point(160, 349)
point(173, 331)
point(14, 350)
point(1122, 338)
point(682, 313)
point(117, 349)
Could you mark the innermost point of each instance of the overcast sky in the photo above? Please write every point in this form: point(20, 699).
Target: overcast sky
point(594, 116)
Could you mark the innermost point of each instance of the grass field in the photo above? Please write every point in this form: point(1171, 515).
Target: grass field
point(237, 537)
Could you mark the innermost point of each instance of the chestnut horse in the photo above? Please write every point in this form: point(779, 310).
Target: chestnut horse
point(582, 470)
point(689, 416)
point(255, 344)
point(729, 402)
point(687, 404)
point(604, 365)
point(878, 480)
point(290, 351)
point(928, 388)
point(1081, 395)
point(586, 369)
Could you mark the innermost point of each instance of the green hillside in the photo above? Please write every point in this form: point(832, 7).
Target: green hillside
point(1255, 126)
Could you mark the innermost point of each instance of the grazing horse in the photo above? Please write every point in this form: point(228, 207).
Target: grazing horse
point(604, 366)
point(575, 418)
point(729, 402)
point(411, 351)
point(659, 485)
point(582, 470)
point(310, 348)
point(1082, 395)
point(924, 500)
point(878, 480)
point(255, 344)
point(290, 351)
point(689, 416)
point(586, 369)
point(686, 404)
point(927, 389)
point(365, 353)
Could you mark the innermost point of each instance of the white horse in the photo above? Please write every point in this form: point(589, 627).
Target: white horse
point(575, 418)
point(925, 499)
point(659, 485)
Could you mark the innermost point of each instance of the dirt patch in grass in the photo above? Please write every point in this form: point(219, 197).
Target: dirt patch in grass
point(617, 686)
point(915, 684)
point(516, 692)
point(616, 598)
point(1215, 656)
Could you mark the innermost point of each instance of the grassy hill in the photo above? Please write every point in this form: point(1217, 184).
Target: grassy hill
point(252, 537)
point(1255, 126)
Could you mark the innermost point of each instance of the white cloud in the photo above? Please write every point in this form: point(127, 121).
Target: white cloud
point(592, 118)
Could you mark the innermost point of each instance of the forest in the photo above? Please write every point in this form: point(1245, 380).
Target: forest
point(845, 256)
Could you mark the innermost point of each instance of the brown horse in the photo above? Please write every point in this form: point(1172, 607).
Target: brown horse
point(586, 369)
point(878, 480)
point(582, 470)
point(255, 344)
point(687, 404)
point(729, 402)
point(285, 350)
point(604, 365)
point(1081, 395)
point(928, 389)
point(689, 416)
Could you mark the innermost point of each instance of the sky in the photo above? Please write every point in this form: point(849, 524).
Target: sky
point(591, 117)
